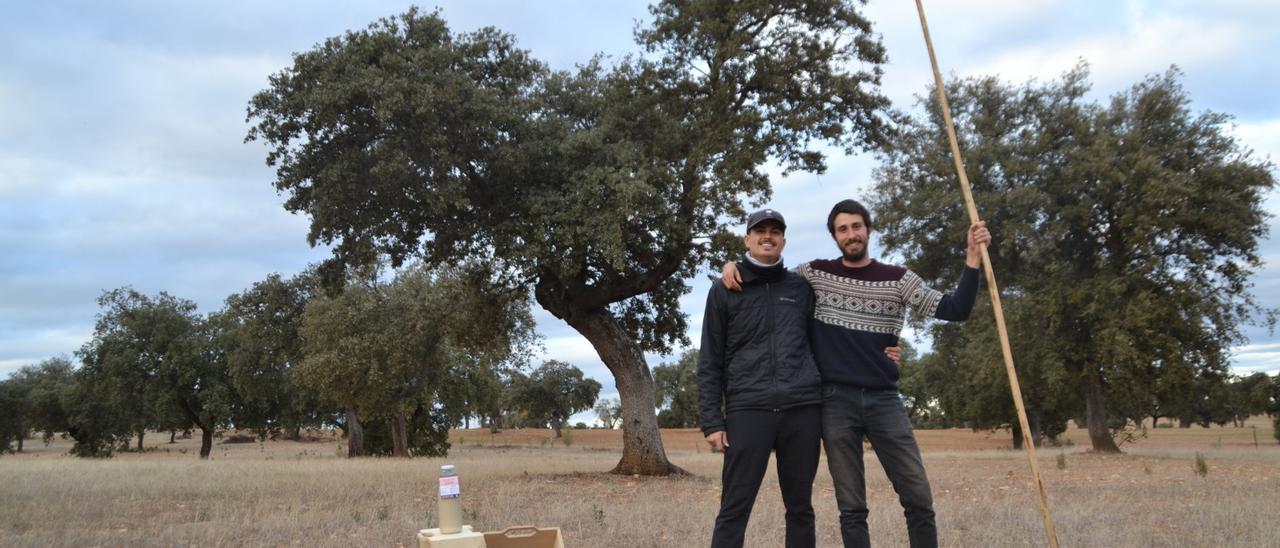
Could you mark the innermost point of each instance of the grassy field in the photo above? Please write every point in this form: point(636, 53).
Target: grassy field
point(306, 494)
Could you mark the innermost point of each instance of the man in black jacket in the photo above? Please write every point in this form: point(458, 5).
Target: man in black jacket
point(758, 386)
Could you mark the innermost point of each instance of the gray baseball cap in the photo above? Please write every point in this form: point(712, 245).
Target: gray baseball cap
point(765, 215)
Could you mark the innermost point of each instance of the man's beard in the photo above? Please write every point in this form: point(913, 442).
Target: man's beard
point(855, 256)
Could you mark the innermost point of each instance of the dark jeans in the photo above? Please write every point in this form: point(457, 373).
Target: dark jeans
point(753, 435)
point(849, 414)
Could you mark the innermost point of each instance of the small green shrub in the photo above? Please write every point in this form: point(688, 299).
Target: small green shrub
point(1062, 461)
point(1201, 467)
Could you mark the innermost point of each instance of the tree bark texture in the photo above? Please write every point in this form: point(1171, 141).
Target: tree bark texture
point(355, 434)
point(1096, 412)
point(206, 441)
point(399, 437)
point(1033, 423)
point(642, 451)
point(141, 434)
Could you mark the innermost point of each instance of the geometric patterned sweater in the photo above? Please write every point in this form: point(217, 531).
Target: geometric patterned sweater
point(860, 311)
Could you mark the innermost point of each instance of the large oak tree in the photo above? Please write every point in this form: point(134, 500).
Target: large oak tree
point(1126, 232)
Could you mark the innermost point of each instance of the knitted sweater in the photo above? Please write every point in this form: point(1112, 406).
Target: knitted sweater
point(860, 311)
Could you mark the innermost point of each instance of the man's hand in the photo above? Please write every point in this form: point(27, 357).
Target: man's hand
point(730, 278)
point(979, 237)
point(718, 440)
point(894, 353)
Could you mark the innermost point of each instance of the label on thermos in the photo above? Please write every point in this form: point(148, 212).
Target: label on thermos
point(449, 487)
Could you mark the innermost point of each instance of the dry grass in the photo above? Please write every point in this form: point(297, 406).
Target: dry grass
point(287, 493)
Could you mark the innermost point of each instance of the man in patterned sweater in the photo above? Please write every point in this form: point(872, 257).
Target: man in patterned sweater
point(859, 308)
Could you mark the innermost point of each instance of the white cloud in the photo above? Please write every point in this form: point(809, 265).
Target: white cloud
point(33, 346)
point(1262, 136)
point(1147, 46)
point(1251, 348)
point(570, 348)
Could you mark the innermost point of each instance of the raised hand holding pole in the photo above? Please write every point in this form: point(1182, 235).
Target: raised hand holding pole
point(1028, 442)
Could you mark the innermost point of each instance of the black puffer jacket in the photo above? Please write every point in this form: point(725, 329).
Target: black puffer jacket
point(755, 347)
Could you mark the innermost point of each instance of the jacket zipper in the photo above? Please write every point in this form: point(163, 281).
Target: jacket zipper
point(773, 353)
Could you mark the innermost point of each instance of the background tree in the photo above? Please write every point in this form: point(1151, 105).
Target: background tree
point(676, 389)
point(13, 415)
point(965, 378)
point(341, 356)
point(1132, 227)
point(388, 350)
point(497, 403)
point(260, 334)
point(1206, 403)
point(602, 188)
point(1250, 395)
point(921, 383)
point(1274, 409)
point(609, 412)
point(154, 358)
point(38, 392)
point(553, 392)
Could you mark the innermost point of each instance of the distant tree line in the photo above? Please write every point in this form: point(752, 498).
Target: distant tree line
point(938, 395)
point(392, 361)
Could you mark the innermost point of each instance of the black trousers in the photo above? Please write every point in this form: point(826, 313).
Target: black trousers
point(793, 434)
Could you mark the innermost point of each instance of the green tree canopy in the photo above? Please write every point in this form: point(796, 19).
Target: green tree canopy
point(676, 387)
point(391, 350)
point(47, 386)
point(259, 331)
point(1131, 227)
point(601, 188)
point(13, 415)
point(151, 364)
point(553, 392)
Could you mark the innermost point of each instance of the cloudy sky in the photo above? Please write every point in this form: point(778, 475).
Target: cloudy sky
point(122, 159)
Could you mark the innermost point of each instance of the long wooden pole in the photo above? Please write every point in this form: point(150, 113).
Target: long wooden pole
point(1028, 442)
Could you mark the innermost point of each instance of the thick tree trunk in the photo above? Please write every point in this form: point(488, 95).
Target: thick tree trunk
point(141, 434)
point(295, 433)
point(557, 426)
point(466, 422)
point(206, 441)
point(399, 437)
point(20, 440)
point(173, 436)
point(355, 434)
point(642, 451)
point(1096, 412)
point(1017, 436)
